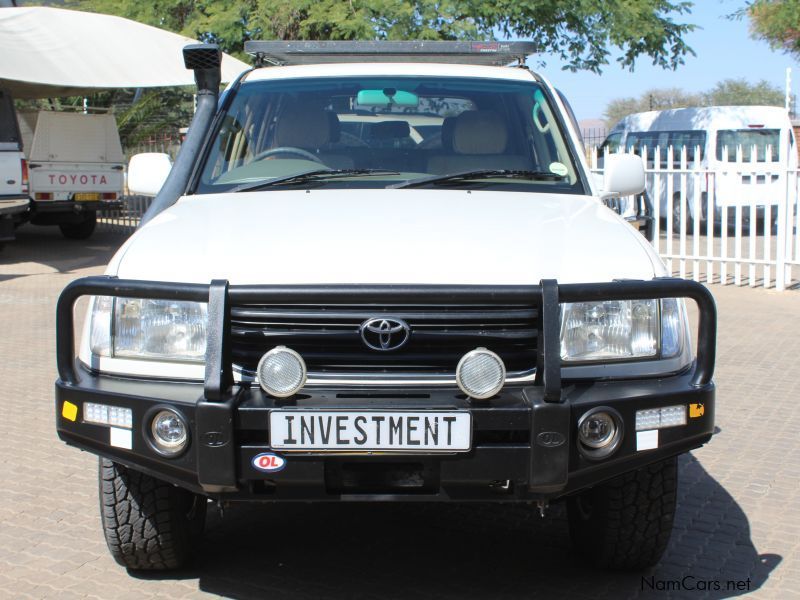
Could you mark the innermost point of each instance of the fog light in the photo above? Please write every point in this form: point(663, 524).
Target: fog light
point(480, 373)
point(103, 414)
point(281, 372)
point(599, 432)
point(659, 418)
point(169, 432)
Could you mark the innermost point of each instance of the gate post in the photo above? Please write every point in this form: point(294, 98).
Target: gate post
point(782, 273)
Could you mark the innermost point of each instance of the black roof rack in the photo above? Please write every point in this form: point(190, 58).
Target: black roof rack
point(307, 53)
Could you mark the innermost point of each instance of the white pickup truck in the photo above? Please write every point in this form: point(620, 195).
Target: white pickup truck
point(76, 165)
point(13, 171)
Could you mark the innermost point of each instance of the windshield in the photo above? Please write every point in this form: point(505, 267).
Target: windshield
point(729, 140)
point(381, 131)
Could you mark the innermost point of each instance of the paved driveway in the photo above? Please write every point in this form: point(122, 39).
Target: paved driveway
point(738, 517)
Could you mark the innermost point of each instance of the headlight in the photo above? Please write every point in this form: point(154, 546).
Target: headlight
point(152, 329)
point(616, 330)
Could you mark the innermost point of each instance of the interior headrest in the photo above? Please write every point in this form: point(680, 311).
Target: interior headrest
point(302, 126)
point(479, 132)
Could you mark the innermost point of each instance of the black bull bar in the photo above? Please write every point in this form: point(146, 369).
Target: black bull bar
point(214, 413)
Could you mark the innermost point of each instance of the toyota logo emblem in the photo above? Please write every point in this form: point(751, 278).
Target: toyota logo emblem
point(385, 333)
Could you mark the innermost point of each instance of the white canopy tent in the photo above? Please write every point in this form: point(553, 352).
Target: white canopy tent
point(48, 52)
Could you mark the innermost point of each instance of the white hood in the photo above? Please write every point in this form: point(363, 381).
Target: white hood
point(386, 237)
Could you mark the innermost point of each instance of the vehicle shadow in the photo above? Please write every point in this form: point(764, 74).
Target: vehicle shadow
point(466, 551)
point(38, 249)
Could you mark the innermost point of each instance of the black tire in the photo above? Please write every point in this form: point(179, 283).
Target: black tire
point(82, 230)
point(148, 524)
point(625, 523)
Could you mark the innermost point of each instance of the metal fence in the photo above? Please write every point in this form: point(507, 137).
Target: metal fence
point(593, 136)
point(124, 220)
point(733, 223)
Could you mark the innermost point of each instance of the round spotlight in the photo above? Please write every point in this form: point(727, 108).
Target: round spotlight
point(281, 372)
point(599, 432)
point(169, 432)
point(480, 373)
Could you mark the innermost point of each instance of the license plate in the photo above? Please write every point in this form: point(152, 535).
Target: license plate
point(86, 196)
point(360, 431)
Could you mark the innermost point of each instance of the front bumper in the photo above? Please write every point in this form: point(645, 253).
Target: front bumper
point(513, 455)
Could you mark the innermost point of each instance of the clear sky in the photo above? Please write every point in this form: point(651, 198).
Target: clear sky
point(724, 50)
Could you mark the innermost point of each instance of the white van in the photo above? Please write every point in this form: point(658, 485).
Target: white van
point(734, 153)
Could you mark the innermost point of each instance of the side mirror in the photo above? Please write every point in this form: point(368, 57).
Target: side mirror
point(147, 172)
point(623, 175)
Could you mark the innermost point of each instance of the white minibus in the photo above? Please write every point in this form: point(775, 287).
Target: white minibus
point(737, 155)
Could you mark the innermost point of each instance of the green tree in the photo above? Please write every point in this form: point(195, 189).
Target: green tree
point(154, 113)
point(777, 22)
point(582, 32)
point(653, 99)
point(730, 92)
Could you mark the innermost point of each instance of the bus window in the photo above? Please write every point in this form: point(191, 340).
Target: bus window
point(728, 140)
point(663, 140)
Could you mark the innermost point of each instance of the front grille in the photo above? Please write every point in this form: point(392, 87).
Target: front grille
point(329, 336)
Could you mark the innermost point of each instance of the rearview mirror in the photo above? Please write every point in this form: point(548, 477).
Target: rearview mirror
point(623, 175)
point(387, 97)
point(147, 172)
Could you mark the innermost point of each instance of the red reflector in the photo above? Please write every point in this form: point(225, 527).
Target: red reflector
point(44, 196)
point(25, 176)
point(109, 196)
point(756, 126)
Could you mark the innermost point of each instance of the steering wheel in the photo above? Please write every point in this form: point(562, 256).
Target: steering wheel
point(288, 150)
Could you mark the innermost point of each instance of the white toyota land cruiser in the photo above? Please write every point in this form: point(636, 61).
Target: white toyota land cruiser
point(383, 271)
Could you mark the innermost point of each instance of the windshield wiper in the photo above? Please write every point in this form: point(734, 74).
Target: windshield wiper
point(476, 175)
point(319, 174)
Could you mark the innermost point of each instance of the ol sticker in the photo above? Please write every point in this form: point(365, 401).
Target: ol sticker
point(269, 462)
point(559, 169)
